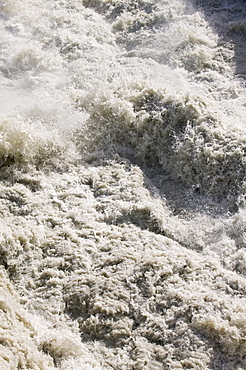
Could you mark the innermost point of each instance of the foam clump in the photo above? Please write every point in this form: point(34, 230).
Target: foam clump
point(24, 143)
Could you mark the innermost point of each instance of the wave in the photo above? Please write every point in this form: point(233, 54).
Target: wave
point(182, 136)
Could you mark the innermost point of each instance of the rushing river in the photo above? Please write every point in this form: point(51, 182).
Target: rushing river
point(122, 184)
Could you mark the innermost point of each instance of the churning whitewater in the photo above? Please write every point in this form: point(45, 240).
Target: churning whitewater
point(122, 184)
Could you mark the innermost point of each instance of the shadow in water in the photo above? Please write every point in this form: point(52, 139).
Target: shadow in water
point(183, 199)
point(228, 18)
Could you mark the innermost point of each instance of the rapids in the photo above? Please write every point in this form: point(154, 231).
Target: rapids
point(122, 184)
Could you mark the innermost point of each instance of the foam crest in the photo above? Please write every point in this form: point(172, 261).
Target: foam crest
point(182, 135)
point(23, 143)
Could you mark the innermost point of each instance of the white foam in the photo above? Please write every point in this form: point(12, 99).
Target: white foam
point(122, 194)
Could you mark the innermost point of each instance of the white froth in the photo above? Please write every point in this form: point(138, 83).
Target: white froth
point(122, 193)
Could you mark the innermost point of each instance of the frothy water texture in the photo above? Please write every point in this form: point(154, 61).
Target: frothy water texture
point(122, 167)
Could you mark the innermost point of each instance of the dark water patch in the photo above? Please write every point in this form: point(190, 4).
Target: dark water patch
point(183, 199)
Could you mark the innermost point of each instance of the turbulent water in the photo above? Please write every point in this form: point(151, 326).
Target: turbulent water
point(122, 184)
